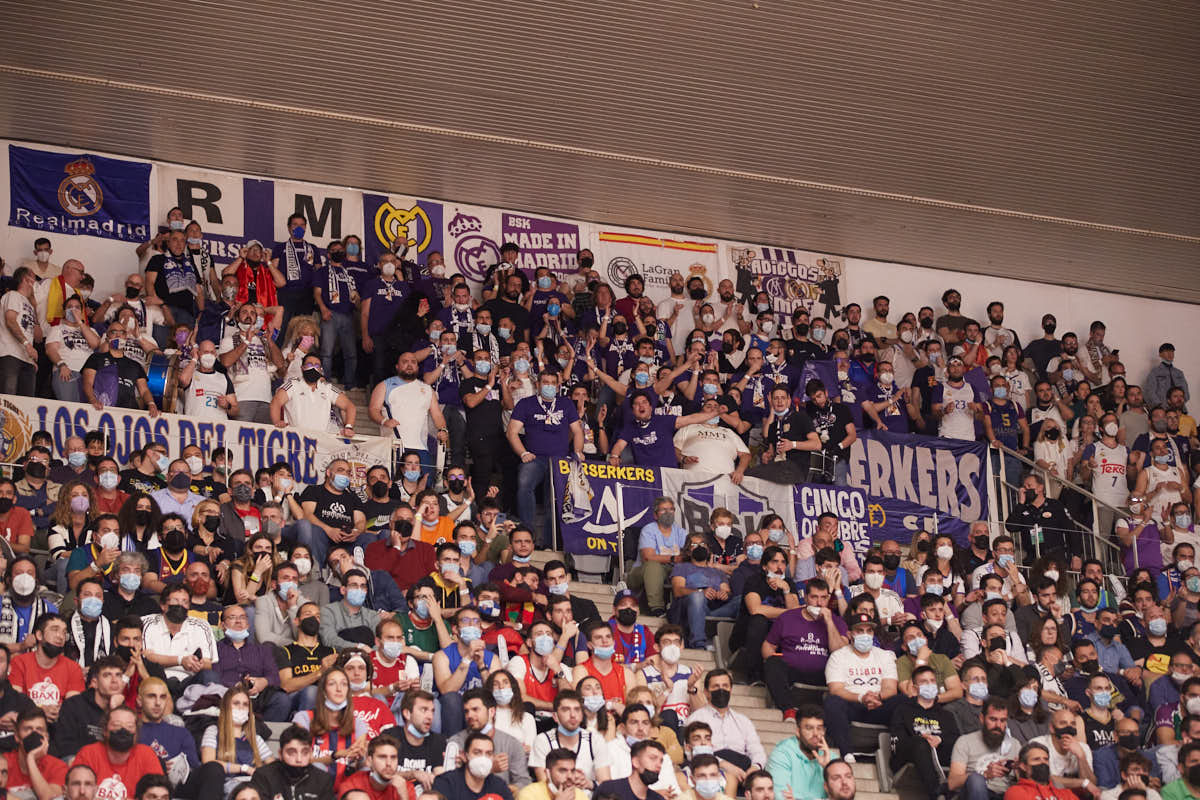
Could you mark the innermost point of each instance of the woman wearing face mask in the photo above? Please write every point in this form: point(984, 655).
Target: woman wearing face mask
point(339, 738)
point(1027, 717)
point(1052, 660)
point(767, 595)
point(234, 743)
point(1161, 483)
point(945, 560)
point(302, 337)
point(1052, 451)
point(411, 481)
point(209, 541)
point(139, 516)
point(511, 716)
point(251, 575)
point(71, 522)
point(1020, 387)
point(312, 588)
point(597, 716)
point(918, 553)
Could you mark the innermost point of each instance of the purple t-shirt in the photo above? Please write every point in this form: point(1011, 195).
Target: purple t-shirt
point(386, 299)
point(803, 643)
point(895, 417)
point(1149, 554)
point(547, 425)
point(652, 443)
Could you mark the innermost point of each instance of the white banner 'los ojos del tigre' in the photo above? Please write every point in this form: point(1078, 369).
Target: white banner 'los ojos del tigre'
point(250, 446)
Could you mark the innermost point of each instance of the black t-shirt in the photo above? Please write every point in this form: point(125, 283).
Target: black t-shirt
point(302, 660)
point(11, 700)
point(116, 381)
point(514, 311)
point(799, 353)
point(423, 757)
point(335, 510)
point(768, 596)
point(453, 786)
point(795, 427)
point(133, 480)
point(1155, 655)
point(378, 512)
point(623, 790)
point(830, 422)
point(484, 419)
point(1041, 351)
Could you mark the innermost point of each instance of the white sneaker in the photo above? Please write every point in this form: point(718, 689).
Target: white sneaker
point(849, 758)
point(359, 556)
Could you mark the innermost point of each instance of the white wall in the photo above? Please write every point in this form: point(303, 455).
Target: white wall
point(1136, 325)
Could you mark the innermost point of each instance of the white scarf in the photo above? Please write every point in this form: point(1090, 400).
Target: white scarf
point(292, 258)
point(103, 637)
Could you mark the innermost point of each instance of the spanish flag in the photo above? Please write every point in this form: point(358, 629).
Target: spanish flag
point(59, 292)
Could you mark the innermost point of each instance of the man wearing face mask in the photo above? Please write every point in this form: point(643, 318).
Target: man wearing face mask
point(1034, 776)
point(18, 331)
point(336, 296)
point(302, 663)
point(475, 778)
point(91, 634)
point(46, 675)
point(32, 771)
point(1164, 376)
point(383, 296)
point(246, 351)
point(634, 642)
point(923, 731)
point(1036, 515)
point(461, 666)
point(510, 762)
point(1104, 461)
point(332, 513)
point(241, 660)
point(341, 621)
point(381, 779)
point(799, 643)
point(1039, 353)
point(1111, 764)
point(1070, 759)
point(871, 694)
point(118, 760)
point(700, 591)
point(394, 401)
point(210, 393)
point(294, 259)
point(183, 645)
point(294, 775)
point(659, 546)
point(311, 402)
point(403, 556)
point(178, 497)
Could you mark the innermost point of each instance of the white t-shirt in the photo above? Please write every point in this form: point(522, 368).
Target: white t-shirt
point(902, 367)
point(202, 394)
point(251, 380)
point(683, 323)
point(716, 447)
point(591, 751)
point(1064, 766)
point(26, 319)
point(524, 730)
point(958, 421)
point(74, 349)
point(408, 403)
point(311, 406)
point(1109, 474)
point(860, 674)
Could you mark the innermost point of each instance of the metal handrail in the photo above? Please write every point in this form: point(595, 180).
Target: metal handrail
point(1097, 503)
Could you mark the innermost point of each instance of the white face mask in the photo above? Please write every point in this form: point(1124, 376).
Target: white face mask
point(388, 269)
point(906, 336)
point(935, 624)
point(480, 766)
point(1111, 428)
point(110, 541)
point(303, 565)
point(873, 580)
point(239, 715)
point(1052, 574)
point(671, 654)
point(722, 531)
point(42, 256)
point(945, 552)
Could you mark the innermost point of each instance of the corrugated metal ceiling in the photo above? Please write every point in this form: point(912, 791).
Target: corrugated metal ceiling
point(1079, 112)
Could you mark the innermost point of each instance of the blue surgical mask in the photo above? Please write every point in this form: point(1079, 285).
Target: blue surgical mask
point(545, 282)
point(520, 364)
point(1183, 520)
point(483, 328)
point(91, 607)
point(863, 642)
point(1157, 626)
point(928, 691)
point(1004, 561)
point(237, 636)
point(916, 644)
point(543, 645)
point(557, 588)
point(709, 788)
point(503, 696)
point(978, 690)
point(549, 391)
point(77, 459)
point(332, 706)
point(467, 547)
point(1162, 459)
point(352, 249)
point(412, 475)
point(565, 731)
point(505, 333)
point(162, 463)
point(521, 559)
point(423, 609)
point(483, 367)
point(131, 582)
point(553, 309)
point(593, 703)
point(1028, 698)
point(298, 232)
point(754, 552)
point(285, 587)
point(469, 633)
point(1000, 392)
point(603, 653)
point(341, 482)
point(711, 388)
point(1102, 699)
point(416, 734)
point(356, 597)
point(935, 588)
point(818, 334)
point(642, 378)
point(393, 650)
point(776, 535)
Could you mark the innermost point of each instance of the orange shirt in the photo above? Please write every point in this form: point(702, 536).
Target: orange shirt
point(17, 523)
point(435, 535)
point(117, 781)
point(612, 684)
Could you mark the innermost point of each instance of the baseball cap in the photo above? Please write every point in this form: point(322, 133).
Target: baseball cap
point(621, 595)
point(862, 618)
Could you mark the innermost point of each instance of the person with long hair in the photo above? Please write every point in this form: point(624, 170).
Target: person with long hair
point(598, 717)
point(919, 549)
point(234, 742)
point(139, 517)
point(946, 560)
point(339, 738)
point(250, 576)
point(71, 527)
point(208, 541)
point(302, 337)
point(511, 716)
point(1027, 717)
point(1051, 659)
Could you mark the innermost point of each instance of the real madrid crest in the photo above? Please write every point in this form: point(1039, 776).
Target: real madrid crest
point(79, 194)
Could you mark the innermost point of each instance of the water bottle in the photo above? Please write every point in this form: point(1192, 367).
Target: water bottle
point(451, 756)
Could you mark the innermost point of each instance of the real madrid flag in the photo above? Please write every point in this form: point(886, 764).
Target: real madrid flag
point(80, 195)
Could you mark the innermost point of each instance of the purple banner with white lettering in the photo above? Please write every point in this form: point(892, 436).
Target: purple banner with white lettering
point(543, 242)
point(921, 482)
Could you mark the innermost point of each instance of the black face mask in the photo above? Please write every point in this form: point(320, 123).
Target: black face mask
point(52, 650)
point(1053, 434)
point(923, 546)
point(36, 470)
point(727, 348)
point(1049, 327)
point(700, 554)
point(174, 541)
point(720, 697)
point(94, 461)
point(404, 527)
point(1108, 631)
point(927, 323)
point(997, 643)
point(586, 262)
point(293, 774)
point(180, 481)
point(456, 484)
point(891, 563)
point(32, 741)
point(123, 652)
point(953, 306)
point(802, 329)
point(175, 614)
point(311, 375)
point(649, 777)
point(131, 292)
point(1089, 667)
point(212, 523)
point(121, 741)
point(1193, 775)
point(1040, 774)
point(6, 504)
point(379, 489)
point(982, 541)
point(619, 328)
point(310, 626)
point(626, 616)
point(1130, 741)
point(696, 294)
point(337, 256)
point(141, 517)
point(866, 358)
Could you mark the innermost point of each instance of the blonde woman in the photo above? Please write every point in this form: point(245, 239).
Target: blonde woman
point(214, 546)
point(233, 742)
point(302, 337)
point(71, 527)
point(1052, 451)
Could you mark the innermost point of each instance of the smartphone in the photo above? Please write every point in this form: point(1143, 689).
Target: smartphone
point(501, 518)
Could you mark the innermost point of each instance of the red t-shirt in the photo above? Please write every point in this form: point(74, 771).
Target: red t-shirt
point(17, 524)
point(45, 687)
point(112, 506)
point(53, 770)
point(362, 780)
point(373, 713)
point(386, 676)
point(406, 568)
point(117, 782)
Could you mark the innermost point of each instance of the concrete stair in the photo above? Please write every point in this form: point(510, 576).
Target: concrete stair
point(752, 701)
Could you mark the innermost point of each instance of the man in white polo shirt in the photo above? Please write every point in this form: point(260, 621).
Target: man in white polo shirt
point(174, 638)
point(711, 447)
point(310, 403)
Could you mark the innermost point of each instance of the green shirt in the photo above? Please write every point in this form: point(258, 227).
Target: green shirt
point(943, 666)
point(422, 638)
point(1178, 790)
point(791, 769)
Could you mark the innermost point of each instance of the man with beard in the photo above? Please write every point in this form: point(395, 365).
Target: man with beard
point(394, 402)
point(839, 780)
point(996, 337)
point(668, 311)
point(649, 435)
point(1041, 351)
point(952, 325)
point(878, 326)
point(957, 403)
point(310, 403)
point(729, 310)
point(798, 764)
point(835, 429)
point(1033, 769)
point(507, 303)
point(1036, 515)
point(981, 763)
point(1047, 405)
point(44, 674)
point(246, 351)
point(171, 278)
point(1070, 759)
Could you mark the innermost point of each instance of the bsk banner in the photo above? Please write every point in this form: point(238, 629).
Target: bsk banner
point(922, 482)
point(544, 242)
point(250, 445)
point(79, 195)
